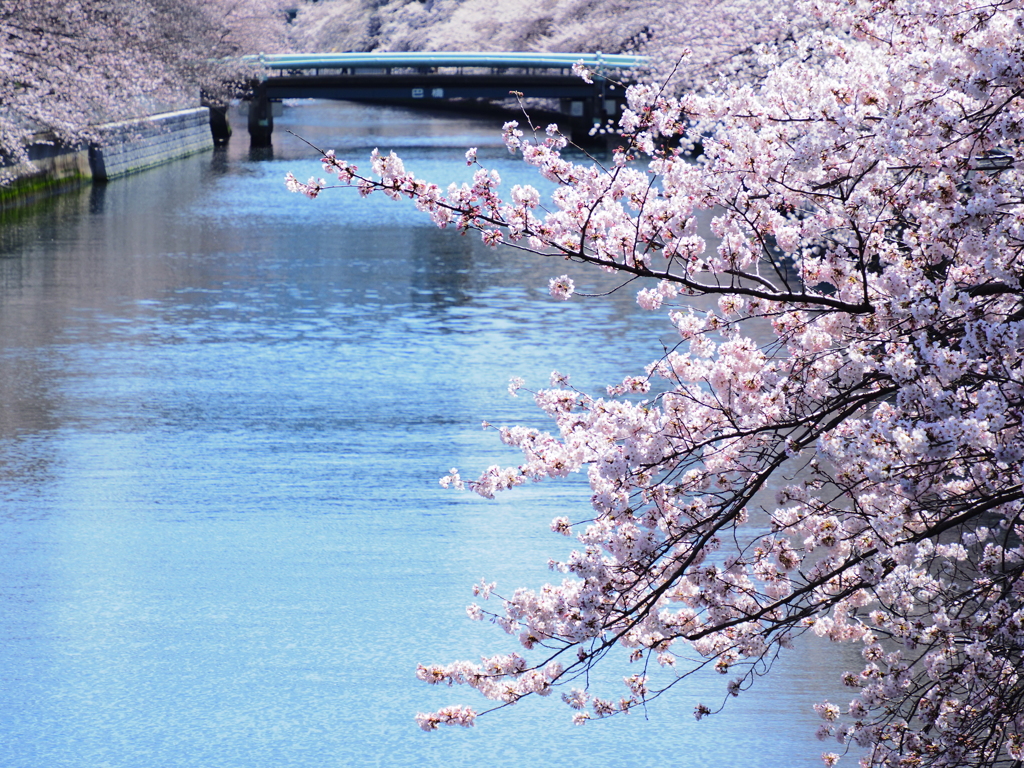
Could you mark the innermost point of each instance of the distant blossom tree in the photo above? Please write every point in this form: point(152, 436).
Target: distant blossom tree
point(721, 33)
point(66, 66)
point(866, 196)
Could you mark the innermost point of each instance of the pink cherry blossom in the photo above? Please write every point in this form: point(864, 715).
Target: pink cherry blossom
point(561, 287)
point(862, 182)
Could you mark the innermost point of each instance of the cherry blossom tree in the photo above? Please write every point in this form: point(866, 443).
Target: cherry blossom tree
point(201, 42)
point(866, 202)
point(65, 66)
point(720, 32)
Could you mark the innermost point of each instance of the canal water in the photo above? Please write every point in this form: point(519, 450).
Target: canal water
point(224, 410)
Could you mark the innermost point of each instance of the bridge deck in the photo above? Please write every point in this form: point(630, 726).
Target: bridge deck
point(458, 59)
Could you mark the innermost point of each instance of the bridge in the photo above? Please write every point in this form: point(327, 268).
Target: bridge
point(425, 78)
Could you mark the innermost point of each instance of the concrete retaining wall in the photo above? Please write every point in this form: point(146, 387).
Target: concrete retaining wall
point(52, 168)
point(124, 147)
point(134, 145)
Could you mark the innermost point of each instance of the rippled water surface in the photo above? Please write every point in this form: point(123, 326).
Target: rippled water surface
point(223, 413)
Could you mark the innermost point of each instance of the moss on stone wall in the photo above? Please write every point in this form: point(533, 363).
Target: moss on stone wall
point(28, 188)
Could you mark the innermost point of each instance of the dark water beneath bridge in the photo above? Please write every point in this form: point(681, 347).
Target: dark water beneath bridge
point(223, 413)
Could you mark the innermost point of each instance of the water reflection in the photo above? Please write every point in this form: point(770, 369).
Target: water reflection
point(223, 411)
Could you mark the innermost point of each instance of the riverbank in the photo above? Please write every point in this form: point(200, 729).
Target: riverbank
point(121, 148)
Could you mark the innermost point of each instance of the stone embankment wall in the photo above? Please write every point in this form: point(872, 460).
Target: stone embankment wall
point(138, 144)
point(122, 148)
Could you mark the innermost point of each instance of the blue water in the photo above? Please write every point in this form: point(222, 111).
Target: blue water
point(223, 413)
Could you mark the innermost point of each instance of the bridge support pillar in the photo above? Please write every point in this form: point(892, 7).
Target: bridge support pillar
point(219, 125)
point(261, 118)
point(582, 115)
point(594, 119)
